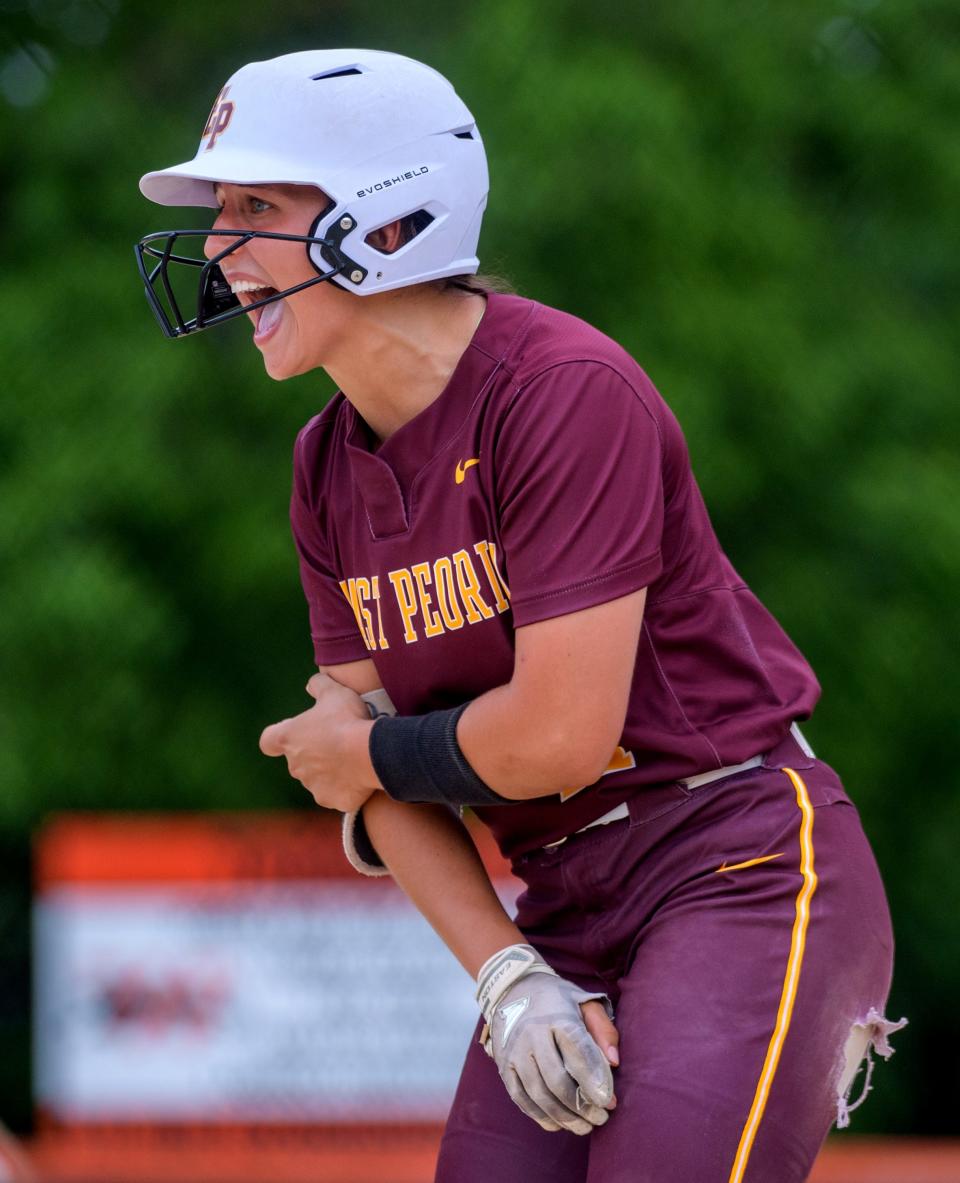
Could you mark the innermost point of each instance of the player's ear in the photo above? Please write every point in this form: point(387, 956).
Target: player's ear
point(388, 238)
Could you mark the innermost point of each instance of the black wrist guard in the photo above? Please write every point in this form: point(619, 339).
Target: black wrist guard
point(419, 761)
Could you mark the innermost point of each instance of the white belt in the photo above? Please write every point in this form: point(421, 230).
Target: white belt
point(704, 778)
point(691, 782)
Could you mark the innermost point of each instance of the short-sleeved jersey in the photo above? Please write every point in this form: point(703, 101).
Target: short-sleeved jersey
point(549, 476)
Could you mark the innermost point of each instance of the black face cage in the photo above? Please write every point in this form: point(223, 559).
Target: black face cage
point(216, 303)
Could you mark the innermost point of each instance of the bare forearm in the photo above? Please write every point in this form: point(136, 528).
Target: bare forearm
point(433, 860)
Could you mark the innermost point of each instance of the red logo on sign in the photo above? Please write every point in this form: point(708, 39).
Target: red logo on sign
point(219, 118)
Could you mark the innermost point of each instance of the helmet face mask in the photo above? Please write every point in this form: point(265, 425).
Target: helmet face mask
point(384, 137)
point(215, 302)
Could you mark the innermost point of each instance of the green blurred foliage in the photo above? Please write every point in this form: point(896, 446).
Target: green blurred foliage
point(757, 199)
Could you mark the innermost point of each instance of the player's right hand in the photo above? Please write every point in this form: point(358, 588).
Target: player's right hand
point(536, 1034)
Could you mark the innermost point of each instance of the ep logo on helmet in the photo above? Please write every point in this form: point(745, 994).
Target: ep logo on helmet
point(219, 118)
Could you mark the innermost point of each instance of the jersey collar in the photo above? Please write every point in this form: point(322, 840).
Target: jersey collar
point(386, 476)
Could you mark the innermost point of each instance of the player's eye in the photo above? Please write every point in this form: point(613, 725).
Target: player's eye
point(257, 205)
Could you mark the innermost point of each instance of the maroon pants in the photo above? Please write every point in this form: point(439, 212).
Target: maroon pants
point(742, 932)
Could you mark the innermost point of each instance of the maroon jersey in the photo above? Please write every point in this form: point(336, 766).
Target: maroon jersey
point(549, 476)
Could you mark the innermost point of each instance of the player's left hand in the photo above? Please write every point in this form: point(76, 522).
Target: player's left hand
point(324, 746)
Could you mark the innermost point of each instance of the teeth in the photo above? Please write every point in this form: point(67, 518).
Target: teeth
point(245, 285)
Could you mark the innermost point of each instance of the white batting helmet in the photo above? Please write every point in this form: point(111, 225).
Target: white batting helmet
point(384, 136)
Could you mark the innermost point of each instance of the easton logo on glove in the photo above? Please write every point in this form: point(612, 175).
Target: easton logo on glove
point(510, 1014)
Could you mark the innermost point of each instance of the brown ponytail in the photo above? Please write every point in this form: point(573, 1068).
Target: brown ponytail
point(481, 285)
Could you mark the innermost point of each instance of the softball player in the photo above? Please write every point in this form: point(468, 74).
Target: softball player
point(501, 541)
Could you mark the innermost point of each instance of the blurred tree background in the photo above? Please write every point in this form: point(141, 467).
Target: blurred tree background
point(758, 199)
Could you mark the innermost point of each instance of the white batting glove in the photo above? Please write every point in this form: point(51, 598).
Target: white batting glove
point(535, 1032)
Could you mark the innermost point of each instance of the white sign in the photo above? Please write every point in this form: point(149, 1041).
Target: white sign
point(251, 1001)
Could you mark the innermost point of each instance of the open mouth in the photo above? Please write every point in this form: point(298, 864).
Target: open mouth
point(248, 293)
